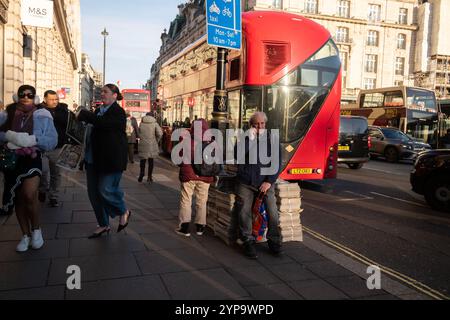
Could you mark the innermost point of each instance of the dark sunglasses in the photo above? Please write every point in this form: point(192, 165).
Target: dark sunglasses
point(28, 95)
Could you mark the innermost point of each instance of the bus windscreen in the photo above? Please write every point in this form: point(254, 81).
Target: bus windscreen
point(422, 100)
point(134, 96)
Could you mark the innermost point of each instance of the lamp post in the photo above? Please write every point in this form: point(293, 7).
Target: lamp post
point(104, 34)
point(220, 107)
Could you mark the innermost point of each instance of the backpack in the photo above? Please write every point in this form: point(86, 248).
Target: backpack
point(129, 129)
point(204, 169)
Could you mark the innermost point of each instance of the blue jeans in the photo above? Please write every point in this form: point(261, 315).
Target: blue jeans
point(243, 213)
point(105, 195)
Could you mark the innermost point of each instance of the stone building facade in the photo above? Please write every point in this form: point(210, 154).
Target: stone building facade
point(375, 37)
point(188, 26)
point(432, 69)
point(380, 42)
point(187, 82)
point(44, 58)
point(90, 82)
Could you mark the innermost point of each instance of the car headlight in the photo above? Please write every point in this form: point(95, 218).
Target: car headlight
point(407, 146)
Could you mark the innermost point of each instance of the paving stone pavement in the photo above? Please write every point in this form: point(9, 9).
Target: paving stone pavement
point(149, 261)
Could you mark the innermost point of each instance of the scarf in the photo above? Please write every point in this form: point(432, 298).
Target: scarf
point(23, 119)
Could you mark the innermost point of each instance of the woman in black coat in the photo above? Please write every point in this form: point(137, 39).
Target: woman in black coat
point(106, 156)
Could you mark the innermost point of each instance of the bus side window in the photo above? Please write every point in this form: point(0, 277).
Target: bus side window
point(372, 100)
point(235, 69)
point(394, 99)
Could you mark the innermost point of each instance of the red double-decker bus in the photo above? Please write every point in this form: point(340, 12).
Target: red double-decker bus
point(292, 72)
point(137, 102)
point(289, 67)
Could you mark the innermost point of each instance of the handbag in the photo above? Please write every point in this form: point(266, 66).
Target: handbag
point(8, 159)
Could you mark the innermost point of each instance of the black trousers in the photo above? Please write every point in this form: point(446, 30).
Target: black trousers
point(131, 152)
point(150, 167)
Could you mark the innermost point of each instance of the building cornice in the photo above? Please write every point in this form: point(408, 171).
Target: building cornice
point(61, 20)
point(410, 27)
point(4, 4)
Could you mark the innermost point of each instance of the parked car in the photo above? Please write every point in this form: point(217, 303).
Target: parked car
point(431, 178)
point(353, 141)
point(394, 145)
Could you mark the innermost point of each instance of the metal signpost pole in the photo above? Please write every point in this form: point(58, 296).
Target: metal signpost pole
point(224, 29)
point(220, 107)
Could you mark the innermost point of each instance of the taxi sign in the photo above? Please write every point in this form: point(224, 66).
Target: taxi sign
point(224, 23)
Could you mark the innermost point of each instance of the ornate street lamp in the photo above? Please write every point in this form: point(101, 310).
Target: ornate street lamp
point(104, 34)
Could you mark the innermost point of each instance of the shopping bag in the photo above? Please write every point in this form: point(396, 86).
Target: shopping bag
point(260, 218)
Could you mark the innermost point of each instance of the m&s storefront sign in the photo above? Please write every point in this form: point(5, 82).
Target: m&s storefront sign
point(37, 13)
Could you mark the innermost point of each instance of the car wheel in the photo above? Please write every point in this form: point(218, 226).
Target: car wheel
point(391, 154)
point(437, 193)
point(355, 166)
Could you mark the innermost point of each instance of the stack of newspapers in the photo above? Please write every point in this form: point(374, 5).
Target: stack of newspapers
point(221, 202)
point(211, 209)
point(220, 207)
point(290, 208)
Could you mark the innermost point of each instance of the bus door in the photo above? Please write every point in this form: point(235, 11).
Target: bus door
point(423, 126)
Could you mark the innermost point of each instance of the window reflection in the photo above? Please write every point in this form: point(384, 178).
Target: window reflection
point(293, 103)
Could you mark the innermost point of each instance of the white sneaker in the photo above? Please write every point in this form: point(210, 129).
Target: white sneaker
point(24, 244)
point(36, 239)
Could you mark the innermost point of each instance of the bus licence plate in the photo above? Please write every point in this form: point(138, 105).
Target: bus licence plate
point(344, 148)
point(302, 171)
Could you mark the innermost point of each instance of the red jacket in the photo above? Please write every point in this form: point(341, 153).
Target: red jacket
point(187, 173)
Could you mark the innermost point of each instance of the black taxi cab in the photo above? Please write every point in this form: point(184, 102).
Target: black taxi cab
point(354, 142)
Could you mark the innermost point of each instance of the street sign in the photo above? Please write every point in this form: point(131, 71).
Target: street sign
point(37, 13)
point(191, 102)
point(224, 23)
point(61, 94)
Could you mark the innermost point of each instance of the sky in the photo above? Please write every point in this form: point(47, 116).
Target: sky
point(134, 40)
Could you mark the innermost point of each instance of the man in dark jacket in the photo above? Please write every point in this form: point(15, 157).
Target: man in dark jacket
point(253, 180)
point(132, 131)
point(60, 114)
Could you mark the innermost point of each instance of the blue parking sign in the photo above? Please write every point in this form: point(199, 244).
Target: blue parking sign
point(224, 23)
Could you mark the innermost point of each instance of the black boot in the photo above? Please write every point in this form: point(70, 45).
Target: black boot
point(150, 170)
point(142, 173)
point(183, 230)
point(250, 250)
point(275, 248)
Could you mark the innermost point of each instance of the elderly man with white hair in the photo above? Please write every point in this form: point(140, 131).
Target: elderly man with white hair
point(252, 181)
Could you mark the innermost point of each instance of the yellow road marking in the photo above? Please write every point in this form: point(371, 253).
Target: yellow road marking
point(402, 200)
point(395, 274)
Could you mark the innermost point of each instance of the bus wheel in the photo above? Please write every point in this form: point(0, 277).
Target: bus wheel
point(437, 193)
point(355, 166)
point(391, 154)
